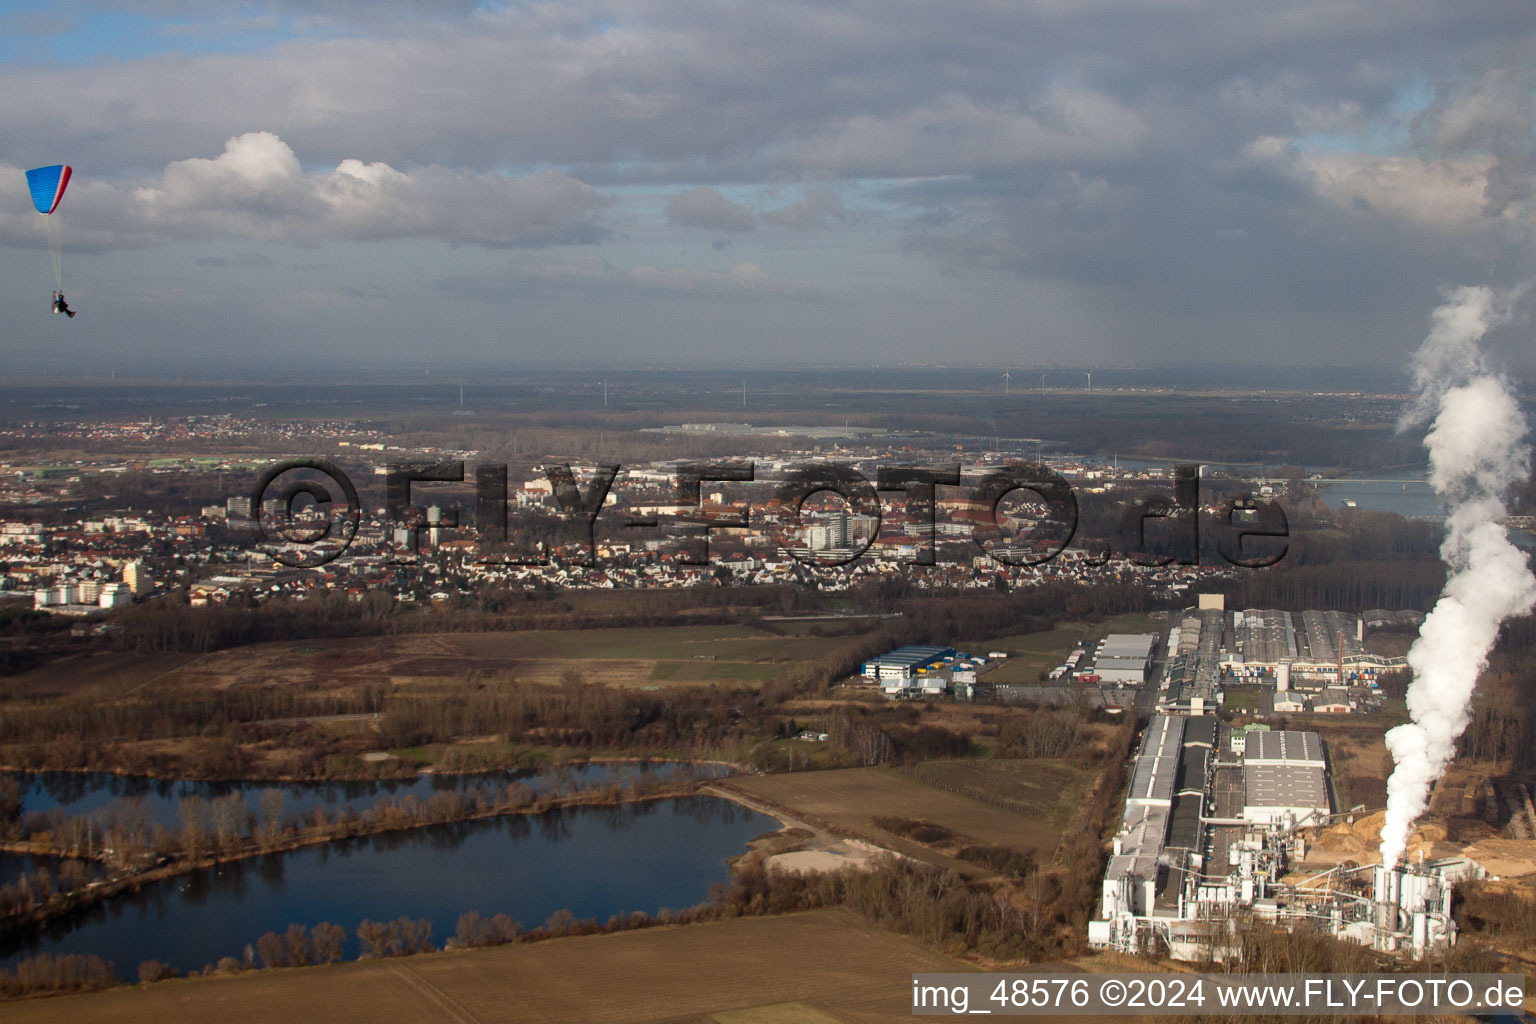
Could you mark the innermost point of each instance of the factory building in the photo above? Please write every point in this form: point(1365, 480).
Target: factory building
point(1206, 829)
point(1411, 907)
point(917, 670)
point(1284, 794)
point(1206, 840)
point(1131, 880)
point(1124, 658)
point(905, 662)
point(1192, 683)
point(1153, 775)
point(1311, 661)
point(1312, 648)
point(1283, 747)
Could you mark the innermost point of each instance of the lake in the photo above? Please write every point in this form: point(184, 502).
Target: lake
point(593, 861)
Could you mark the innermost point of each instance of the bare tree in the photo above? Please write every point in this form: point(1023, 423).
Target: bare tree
point(271, 815)
point(372, 938)
point(300, 948)
point(472, 930)
point(230, 815)
point(193, 812)
point(326, 942)
point(272, 950)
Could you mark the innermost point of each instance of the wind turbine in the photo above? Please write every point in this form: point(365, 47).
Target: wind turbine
point(1007, 381)
point(1042, 385)
point(1090, 379)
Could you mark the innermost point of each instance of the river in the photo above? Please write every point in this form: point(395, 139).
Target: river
point(1407, 496)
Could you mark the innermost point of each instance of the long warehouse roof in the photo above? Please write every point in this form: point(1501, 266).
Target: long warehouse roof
point(1284, 747)
point(1284, 785)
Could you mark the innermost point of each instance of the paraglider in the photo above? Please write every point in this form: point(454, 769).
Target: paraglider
point(47, 185)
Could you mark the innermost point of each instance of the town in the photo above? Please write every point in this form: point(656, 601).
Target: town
point(969, 535)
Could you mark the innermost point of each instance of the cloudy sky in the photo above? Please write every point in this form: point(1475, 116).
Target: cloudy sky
point(650, 182)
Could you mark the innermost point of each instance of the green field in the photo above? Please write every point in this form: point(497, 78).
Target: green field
point(1242, 700)
point(700, 671)
point(1030, 654)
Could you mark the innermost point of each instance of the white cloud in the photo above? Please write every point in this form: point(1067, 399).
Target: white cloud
point(1445, 195)
point(257, 189)
point(1496, 116)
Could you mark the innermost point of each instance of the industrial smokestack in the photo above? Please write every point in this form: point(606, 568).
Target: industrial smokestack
point(1476, 452)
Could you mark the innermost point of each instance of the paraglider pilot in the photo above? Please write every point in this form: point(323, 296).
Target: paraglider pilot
point(60, 306)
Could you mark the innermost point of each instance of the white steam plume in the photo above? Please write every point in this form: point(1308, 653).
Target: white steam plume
point(1476, 452)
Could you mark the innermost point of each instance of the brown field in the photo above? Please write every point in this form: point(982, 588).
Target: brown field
point(824, 967)
point(107, 674)
point(1043, 791)
point(679, 655)
point(1358, 758)
point(1391, 643)
point(850, 799)
point(725, 643)
point(665, 656)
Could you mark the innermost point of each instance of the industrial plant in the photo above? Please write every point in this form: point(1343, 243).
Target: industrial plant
point(1211, 833)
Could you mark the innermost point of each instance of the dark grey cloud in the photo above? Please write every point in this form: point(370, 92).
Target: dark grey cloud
point(591, 273)
point(688, 91)
point(1148, 178)
point(244, 261)
point(1495, 116)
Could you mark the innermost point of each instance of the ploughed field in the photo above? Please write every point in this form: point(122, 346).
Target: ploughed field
point(661, 656)
point(822, 967)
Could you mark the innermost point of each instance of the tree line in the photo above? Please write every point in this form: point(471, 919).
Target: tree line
point(132, 847)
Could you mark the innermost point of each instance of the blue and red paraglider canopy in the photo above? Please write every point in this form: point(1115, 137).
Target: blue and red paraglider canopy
point(48, 185)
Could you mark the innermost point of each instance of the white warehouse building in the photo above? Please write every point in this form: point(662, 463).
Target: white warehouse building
point(1124, 658)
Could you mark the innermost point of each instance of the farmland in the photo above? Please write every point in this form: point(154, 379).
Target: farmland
point(679, 655)
point(97, 674)
point(658, 656)
point(1041, 799)
point(826, 968)
point(1041, 790)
